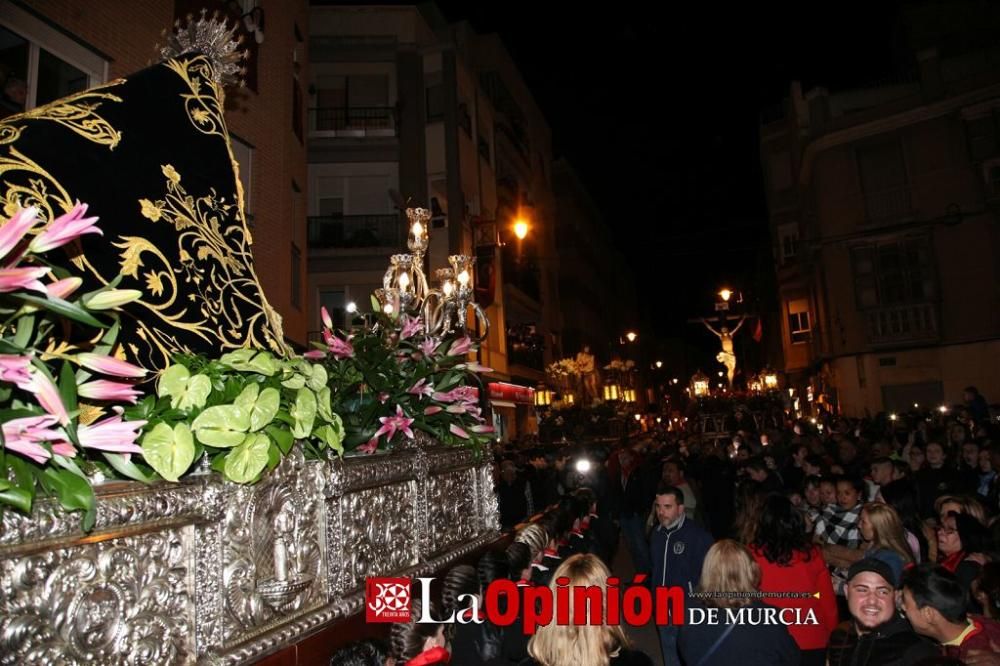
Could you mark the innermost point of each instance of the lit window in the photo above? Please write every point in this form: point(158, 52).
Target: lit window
point(799, 326)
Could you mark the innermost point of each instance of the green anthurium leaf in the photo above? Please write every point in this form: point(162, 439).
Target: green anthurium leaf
point(222, 426)
point(323, 404)
point(219, 462)
point(196, 393)
point(250, 360)
point(74, 494)
point(237, 360)
point(126, 468)
point(265, 364)
point(170, 451)
point(303, 413)
point(331, 437)
point(376, 306)
point(247, 460)
point(247, 397)
point(264, 409)
point(295, 382)
point(282, 437)
point(173, 382)
point(318, 378)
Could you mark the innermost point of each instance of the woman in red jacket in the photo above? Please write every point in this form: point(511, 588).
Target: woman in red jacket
point(789, 562)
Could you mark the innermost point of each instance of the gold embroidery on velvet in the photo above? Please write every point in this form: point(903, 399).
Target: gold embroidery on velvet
point(31, 191)
point(78, 112)
point(204, 105)
point(213, 262)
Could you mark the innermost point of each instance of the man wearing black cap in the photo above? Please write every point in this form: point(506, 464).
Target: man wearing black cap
point(876, 635)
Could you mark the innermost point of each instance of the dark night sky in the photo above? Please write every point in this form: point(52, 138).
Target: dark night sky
point(657, 108)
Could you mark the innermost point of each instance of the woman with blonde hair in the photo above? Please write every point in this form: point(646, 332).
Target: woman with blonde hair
point(730, 581)
point(588, 644)
point(882, 529)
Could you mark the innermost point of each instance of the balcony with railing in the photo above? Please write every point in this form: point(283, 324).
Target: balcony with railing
point(886, 206)
point(902, 324)
point(355, 121)
point(355, 231)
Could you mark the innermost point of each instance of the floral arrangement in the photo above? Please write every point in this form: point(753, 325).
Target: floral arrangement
point(563, 368)
point(242, 412)
point(59, 382)
point(73, 412)
point(391, 377)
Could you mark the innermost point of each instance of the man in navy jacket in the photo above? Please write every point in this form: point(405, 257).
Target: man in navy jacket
point(677, 548)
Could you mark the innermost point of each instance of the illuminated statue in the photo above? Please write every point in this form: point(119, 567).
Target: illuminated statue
point(588, 375)
point(727, 356)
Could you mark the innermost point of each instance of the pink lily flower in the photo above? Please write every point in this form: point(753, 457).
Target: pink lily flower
point(456, 430)
point(315, 355)
point(15, 369)
point(370, 446)
point(25, 434)
point(48, 396)
point(421, 388)
point(411, 328)
point(102, 389)
point(460, 347)
point(325, 316)
point(64, 449)
point(433, 409)
point(110, 365)
point(25, 277)
point(65, 228)
point(428, 346)
point(390, 424)
point(112, 434)
point(443, 397)
point(63, 288)
point(469, 394)
point(482, 429)
point(456, 409)
point(340, 349)
point(13, 232)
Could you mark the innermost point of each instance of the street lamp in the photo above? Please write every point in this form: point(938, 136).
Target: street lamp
point(659, 364)
point(520, 228)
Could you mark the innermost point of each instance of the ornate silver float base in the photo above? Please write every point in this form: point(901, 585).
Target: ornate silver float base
point(212, 572)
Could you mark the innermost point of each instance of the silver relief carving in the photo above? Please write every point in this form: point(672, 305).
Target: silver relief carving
point(119, 601)
point(273, 555)
point(212, 572)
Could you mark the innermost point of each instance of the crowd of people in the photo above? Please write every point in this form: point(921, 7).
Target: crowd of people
point(880, 536)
